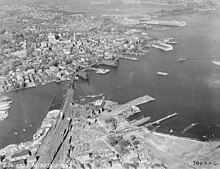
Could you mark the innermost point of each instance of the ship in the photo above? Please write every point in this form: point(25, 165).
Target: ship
point(162, 73)
point(189, 127)
point(166, 23)
point(181, 59)
point(216, 62)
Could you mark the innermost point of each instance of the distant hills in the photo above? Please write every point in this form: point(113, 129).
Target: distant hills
point(86, 3)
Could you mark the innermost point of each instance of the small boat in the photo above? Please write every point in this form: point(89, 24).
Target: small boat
point(171, 130)
point(93, 96)
point(102, 71)
point(216, 62)
point(181, 59)
point(162, 73)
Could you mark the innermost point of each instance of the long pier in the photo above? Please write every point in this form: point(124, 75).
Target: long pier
point(163, 119)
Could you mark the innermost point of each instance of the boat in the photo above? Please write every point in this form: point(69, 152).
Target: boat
point(162, 73)
point(189, 127)
point(93, 96)
point(216, 62)
point(181, 59)
point(102, 71)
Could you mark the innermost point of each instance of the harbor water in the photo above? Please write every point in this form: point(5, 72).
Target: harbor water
point(28, 110)
point(192, 88)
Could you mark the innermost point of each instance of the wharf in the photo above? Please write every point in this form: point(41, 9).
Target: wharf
point(162, 46)
point(141, 121)
point(163, 119)
point(135, 102)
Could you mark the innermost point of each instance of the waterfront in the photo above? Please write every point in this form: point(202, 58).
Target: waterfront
point(28, 110)
point(191, 88)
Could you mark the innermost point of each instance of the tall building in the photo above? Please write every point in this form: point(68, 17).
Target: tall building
point(52, 38)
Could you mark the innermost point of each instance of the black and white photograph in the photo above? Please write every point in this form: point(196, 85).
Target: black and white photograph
point(109, 84)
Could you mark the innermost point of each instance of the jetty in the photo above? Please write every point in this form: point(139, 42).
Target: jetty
point(141, 121)
point(135, 102)
point(162, 46)
point(163, 119)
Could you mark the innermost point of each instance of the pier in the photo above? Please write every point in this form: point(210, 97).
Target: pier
point(141, 121)
point(162, 46)
point(163, 119)
point(135, 102)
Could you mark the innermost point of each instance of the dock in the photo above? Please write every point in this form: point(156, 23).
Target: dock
point(163, 119)
point(135, 102)
point(141, 121)
point(162, 46)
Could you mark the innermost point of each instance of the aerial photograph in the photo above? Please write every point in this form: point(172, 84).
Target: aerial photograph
point(109, 84)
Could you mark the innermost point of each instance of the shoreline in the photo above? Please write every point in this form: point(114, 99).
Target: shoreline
point(115, 109)
point(94, 123)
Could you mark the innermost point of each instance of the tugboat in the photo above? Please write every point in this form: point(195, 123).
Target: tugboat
point(181, 59)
